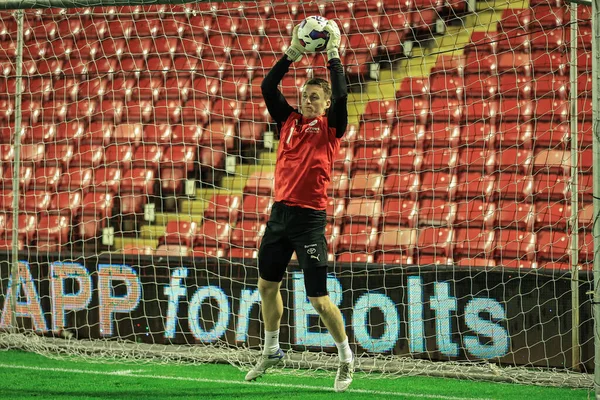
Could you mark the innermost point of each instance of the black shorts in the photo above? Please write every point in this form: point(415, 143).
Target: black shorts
point(296, 229)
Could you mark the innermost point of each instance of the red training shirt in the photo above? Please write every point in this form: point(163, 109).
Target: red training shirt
point(304, 161)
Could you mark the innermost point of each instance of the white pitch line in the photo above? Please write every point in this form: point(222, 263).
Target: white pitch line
point(131, 374)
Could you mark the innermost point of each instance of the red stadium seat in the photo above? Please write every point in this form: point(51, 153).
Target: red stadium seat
point(363, 211)
point(77, 179)
point(260, 183)
point(36, 200)
point(223, 207)
point(247, 234)
point(108, 179)
point(553, 215)
point(180, 233)
point(26, 227)
point(435, 242)
point(256, 207)
point(138, 180)
point(47, 178)
point(404, 159)
point(25, 177)
point(408, 135)
point(515, 215)
point(172, 250)
point(514, 186)
point(366, 185)
point(398, 211)
point(438, 184)
point(340, 183)
point(477, 134)
point(439, 159)
point(118, 155)
point(476, 160)
point(147, 156)
point(475, 213)
point(550, 187)
point(336, 209)
point(436, 212)
point(357, 237)
point(89, 155)
point(398, 241)
point(221, 134)
point(404, 184)
point(553, 246)
point(213, 234)
point(473, 242)
point(53, 232)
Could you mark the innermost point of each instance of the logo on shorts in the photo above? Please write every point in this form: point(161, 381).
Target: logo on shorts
point(306, 246)
point(312, 250)
point(316, 257)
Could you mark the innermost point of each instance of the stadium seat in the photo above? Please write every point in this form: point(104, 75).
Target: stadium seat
point(413, 87)
point(482, 86)
point(514, 159)
point(436, 212)
point(473, 242)
point(515, 215)
point(364, 211)
point(336, 209)
point(511, 134)
point(208, 252)
point(553, 215)
point(118, 155)
point(403, 184)
point(213, 234)
point(256, 207)
point(260, 183)
point(558, 161)
point(25, 176)
point(585, 216)
point(553, 246)
point(196, 111)
point(108, 179)
point(88, 155)
point(223, 207)
point(514, 186)
point(476, 134)
point(412, 110)
point(52, 232)
point(439, 159)
point(475, 213)
point(400, 241)
point(476, 160)
point(220, 134)
point(399, 211)
point(435, 242)
point(373, 134)
point(408, 135)
point(179, 233)
point(366, 185)
point(482, 110)
point(242, 253)
point(47, 178)
point(186, 134)
point(357, 237)
point(356, 257)
point(27, 225)
point(40, 133)
point(340, 183)
point(247, 234)
point(438, 184)
point(403, 159)
point(138, 180)
point(36, 200)
point(6, 199)
point(147, 155)
point(380, 110)
point(448, 110)
point(172, 250)
point(77, 179)
point(550, 187)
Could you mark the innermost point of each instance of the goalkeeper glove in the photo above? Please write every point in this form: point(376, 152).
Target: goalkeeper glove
point(295, 51)
point(335, 37)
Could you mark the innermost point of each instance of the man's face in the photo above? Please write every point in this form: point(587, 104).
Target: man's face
point(314, 102)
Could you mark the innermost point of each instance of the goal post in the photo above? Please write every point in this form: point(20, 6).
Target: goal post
point(137, 161)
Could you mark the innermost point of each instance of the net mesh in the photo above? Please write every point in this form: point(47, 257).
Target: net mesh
point(147, 159)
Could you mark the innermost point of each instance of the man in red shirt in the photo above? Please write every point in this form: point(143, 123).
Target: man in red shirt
point(308, 140)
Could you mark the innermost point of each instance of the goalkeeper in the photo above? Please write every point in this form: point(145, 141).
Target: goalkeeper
point(308, 140)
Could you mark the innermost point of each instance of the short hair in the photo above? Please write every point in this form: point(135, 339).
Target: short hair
point(322, 83)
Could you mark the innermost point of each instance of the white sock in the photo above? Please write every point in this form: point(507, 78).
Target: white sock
point(271, 342)
point(344, 351)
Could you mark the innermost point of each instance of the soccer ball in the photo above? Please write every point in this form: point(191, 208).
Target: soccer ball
point(312, 34)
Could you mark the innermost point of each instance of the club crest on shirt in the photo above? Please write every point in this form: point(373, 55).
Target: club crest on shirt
point(313, 122)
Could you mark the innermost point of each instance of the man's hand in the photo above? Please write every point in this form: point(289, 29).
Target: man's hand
point(335, 37)
point(295, 51)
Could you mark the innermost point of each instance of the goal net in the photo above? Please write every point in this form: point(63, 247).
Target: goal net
point(137, 178)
